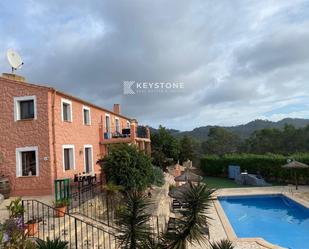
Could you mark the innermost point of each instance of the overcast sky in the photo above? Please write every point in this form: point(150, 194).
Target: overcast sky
point(238, 60)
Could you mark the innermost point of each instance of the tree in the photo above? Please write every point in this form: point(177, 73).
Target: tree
point(282, 141)
point(164, 146)
point(186, 149)
point(192, 227)
point(127, 166)
point(221, 141)
point(135, 232)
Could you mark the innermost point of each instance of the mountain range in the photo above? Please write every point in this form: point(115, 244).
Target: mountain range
point(244, 130)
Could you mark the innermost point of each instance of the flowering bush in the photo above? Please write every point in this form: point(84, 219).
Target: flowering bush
point(12, 231)
point(12, 235)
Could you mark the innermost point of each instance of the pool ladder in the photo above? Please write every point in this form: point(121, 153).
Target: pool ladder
point(289, 190)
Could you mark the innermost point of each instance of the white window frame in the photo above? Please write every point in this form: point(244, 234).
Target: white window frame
point(110, 123)
point(19, 160)
point(91, 166)
point(116, 118)
point(17, 106)
point(68, 146)
point(88, 109)
point(128, 125)
point(69, 102)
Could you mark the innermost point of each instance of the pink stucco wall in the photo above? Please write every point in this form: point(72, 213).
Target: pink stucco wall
point(23, 134)
point(40, 132)
point(77, 134)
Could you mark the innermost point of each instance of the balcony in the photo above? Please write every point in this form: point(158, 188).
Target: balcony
point(127, 135)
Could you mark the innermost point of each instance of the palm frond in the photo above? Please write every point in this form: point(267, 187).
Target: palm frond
point(133, 220)
point(51, 244)
point(222, 244)
point(193, 227)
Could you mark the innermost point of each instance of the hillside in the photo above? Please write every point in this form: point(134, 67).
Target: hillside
point(244, 131)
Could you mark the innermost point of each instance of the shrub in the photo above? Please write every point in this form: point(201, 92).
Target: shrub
point(158, 176)
point(61, 203)
point(127, 166)
point(268, 165)
point(16, 208)
point(12, 234)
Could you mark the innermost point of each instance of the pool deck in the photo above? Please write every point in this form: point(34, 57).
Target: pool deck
point(220, 226)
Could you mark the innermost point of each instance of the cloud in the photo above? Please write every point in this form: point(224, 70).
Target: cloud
point(237, 61)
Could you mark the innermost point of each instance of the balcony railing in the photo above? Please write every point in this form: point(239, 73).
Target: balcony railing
point(132, 132)
point(118, 134)
point(142, 132)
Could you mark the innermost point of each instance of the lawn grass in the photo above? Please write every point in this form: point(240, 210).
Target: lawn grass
point(220, 182)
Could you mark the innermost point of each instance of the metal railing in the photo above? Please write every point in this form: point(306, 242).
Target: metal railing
point(54, 224)
point(141, 131)
point(93, 202)
point(114, 132)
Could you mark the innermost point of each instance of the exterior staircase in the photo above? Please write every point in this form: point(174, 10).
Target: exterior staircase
point(79, 231)
point(89, 221)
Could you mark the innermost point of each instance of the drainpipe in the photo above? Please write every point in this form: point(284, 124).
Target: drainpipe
point(54, 134)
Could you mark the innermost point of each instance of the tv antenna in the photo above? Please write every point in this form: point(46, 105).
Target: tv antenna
point(14, 59)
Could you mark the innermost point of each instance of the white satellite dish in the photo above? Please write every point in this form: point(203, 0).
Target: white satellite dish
point(14, 59)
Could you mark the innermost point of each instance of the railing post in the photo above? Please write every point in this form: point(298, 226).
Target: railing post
point(56, 190)
point(158, 229)
point(23, 215)
point(107, 209)
point(78, 187)
point(76, 239)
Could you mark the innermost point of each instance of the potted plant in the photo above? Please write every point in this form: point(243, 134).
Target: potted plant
point(32, 226)
point(16, 208)
point(61, 207)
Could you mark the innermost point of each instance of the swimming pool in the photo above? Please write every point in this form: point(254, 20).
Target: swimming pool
point(275, 218)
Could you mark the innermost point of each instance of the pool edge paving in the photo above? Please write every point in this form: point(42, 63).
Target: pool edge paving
point(229, 230)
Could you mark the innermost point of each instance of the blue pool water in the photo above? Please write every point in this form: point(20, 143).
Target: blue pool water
point(275, 218)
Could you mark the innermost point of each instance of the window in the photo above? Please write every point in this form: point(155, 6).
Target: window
point(68, 157)
point(128, 124)
point(107, 123)
point(117, 125)
point(86, 115)
point(66, 110)
point(107, 133)
point(24, 108)
point(27, 163)
point(88, 158)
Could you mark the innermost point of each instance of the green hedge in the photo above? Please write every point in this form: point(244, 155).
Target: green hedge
point(268, 165)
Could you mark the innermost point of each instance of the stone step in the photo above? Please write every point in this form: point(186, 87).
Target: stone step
point(68, 228)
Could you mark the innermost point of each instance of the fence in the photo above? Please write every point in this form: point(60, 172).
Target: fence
point(79, 233)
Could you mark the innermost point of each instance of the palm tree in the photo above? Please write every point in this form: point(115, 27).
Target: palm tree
point(133, 222)
point(222, 244)
point(51, 244)
point(193, 226)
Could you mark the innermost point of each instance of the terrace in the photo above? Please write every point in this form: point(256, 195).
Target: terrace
point(135, 134)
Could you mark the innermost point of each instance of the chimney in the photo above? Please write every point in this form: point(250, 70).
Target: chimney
point(117, 108)
point(12, 76)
